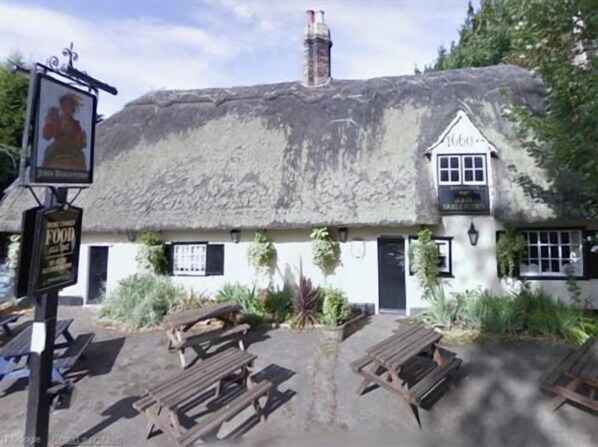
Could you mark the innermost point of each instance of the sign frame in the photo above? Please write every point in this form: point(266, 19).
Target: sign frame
point(35, 176)
point(447, 196)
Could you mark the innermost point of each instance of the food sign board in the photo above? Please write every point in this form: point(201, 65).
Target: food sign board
point(51, 262)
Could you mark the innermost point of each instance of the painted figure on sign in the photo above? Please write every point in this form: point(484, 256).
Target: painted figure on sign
point(66, 151)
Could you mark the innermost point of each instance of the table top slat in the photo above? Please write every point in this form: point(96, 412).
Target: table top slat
point(587, 366)
point(181, 377)
point(584, 357)
point(404, 344)
point(195, 379)
point(205, 380)
point(178, 319)
point(415, 348)
point(382, 344)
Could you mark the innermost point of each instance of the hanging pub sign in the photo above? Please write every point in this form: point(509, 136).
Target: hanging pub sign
point(463, 200)
point(51, 262)
point(63, 138)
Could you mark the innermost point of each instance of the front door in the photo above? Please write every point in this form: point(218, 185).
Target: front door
point(391, 274)
point(98, 273)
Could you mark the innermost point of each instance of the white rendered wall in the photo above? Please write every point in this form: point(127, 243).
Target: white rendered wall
point(357, 273)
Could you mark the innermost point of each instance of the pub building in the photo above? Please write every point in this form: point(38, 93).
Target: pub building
point(375, 160)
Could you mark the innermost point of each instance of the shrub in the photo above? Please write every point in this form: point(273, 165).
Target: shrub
point(305, 304)
point(325, 249)
point(509, 247)
point(441, 311)
point(251, 311)
point(278, 303)
point(140, 300)
point(151, 256)
point(336, 308)
point(261, 252)
point(423, 258)
point(190, 301)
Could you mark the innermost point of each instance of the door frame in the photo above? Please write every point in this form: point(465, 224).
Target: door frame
point(88, 270)
point(406, 273)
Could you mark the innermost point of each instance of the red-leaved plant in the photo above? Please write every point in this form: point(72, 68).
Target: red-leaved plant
point(305, 304)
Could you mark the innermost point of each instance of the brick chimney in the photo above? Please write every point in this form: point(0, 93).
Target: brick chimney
point(317, 44)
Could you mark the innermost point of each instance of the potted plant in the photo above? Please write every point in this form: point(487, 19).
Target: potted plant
point(335, 313)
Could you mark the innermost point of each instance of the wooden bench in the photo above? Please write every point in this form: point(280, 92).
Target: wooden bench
point(215, 337)
point(213, 422)
point(429, 382)
point(68, 359)
point(549, 380)
point(360, 363)
point(5, 320)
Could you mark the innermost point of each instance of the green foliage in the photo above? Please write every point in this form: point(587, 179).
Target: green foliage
point(151, 256)
point(423, 258)
point(278, 302)
point(484, 38)
point(325, 249)
point(336, 308)
point(140, 301)
point(13, 101)
point(306, 304)
point(441, 310)
point(544, 36)
point(252, 311)
point(190, 301)
point(261, 252)
point(509, 249)
point(529, 311)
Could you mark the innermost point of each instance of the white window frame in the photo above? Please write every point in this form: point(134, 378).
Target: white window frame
point(574, 247)
point(444, 251)
point(461, 169)
point(189, 259)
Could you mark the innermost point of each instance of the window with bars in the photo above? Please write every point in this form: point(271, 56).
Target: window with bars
point(189, 259)
point(552, 253)
point(462, 170)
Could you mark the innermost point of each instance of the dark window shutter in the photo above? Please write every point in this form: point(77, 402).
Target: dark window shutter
point(215, 259)
point(590, 260)
point(498, 235)
point(168, 250)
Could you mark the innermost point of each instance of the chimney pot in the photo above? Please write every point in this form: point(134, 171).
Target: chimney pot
point(309, 16)
point(317, 44)
point(320, 17)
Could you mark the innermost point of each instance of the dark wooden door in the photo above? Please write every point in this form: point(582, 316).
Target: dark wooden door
point(391, 274)
point(98, 273)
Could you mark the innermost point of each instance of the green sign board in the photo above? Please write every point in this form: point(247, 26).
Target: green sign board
point(51, 262)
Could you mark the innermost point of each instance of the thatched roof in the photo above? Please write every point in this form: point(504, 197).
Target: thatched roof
point(285, 155)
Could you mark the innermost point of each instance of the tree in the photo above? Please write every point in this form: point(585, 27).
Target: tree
point(13, 101)
point(544, 36)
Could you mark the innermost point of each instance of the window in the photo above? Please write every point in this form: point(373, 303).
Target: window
point(445, 260)
point(552, 252)
point(189, 259)
point(461, 169)
point(444, 255)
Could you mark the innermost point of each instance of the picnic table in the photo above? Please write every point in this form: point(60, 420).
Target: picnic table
point(19, 347)
point(580, 369)
point(409, 364)
point(171, 394)
point(178, 324)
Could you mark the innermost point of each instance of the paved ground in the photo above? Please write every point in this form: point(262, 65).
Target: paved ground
point(497, 402)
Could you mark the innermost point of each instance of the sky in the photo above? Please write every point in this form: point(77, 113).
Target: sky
point(144, 45)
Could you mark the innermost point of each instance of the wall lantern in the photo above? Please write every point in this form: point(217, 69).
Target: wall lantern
point(473, 234)
point(343, 233)
point(235, 236)
point(132, 235)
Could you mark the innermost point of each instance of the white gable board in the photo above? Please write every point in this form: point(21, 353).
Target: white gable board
point(461, 136)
